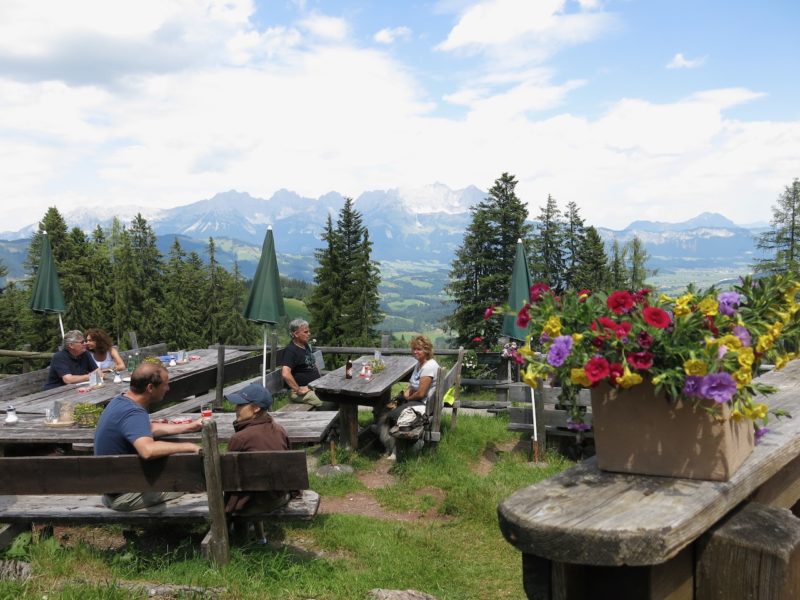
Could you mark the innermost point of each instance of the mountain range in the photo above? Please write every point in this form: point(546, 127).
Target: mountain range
point(418, 228)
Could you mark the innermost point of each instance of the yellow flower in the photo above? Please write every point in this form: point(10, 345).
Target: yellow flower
point(659, 378)
point(629, 379)
point(742, 377)
point(708, 306)
point(759, 411)
point(764, 343)
point(577, 338)
point(578, 377)
point(695, 366)
point(731, 342)
point(681, 310)
point(775, 329)
point(783, 359)
point(736, 414)
point(531, 377)
point(664, 299)
point(552, 327)
point(745, 357)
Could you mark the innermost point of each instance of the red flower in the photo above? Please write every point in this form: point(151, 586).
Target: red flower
point(623, 330)
point(536, 291)
point(606, 323)
point(488, 313)
point(641, 296)
point(711, 325)
point(656, 317)
point(477, 339)
point(523, 316)
point(620, 302)
point(596, 368)
point(583, 294)
point(616, 371)
point(640, 360)
point(644, 339)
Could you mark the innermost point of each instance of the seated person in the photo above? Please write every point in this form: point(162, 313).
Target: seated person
point(299, 367)
point(103, 351)
point(72, 364)
point(125, 428)
point(421, 387)
point(255, 430)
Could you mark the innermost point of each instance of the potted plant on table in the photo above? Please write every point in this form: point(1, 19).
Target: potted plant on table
point(672, 379)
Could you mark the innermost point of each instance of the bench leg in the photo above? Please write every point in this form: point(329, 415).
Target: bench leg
point(10, 531)
point(753, 554)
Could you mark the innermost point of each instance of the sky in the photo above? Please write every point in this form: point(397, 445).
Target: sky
point(632, 109)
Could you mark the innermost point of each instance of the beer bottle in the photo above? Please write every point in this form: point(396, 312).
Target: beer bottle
point(348, 369)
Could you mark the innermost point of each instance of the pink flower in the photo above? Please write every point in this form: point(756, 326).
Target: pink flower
point(620, 302)
point(537, 290)
point(487, 314)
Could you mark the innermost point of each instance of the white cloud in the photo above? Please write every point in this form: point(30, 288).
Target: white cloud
point(680, 62)
point(326, 27)
point(389, 35)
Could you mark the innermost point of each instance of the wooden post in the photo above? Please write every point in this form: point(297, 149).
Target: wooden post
point(220, 375)
point(133, 340)
point(753, 554)
point(273, 352)
point(26, 364)
point(216, 545)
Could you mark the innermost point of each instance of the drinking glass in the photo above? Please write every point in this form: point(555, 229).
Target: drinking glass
point(206, 410)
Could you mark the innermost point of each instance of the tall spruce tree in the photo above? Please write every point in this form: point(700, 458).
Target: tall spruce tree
point(574, 239)
point(618, 272)
point(638, 271)
point(591, 272)
point(345, 304)
point(781, 242)
point(480, 274)
point(547, 262)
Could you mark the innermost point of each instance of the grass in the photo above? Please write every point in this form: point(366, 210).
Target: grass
point(458, 554)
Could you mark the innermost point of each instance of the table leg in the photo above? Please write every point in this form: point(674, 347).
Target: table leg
point(348, 425)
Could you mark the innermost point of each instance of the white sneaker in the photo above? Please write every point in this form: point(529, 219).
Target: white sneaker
point(392, 456)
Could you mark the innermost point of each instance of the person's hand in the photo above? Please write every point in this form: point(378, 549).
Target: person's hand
point(195, 425)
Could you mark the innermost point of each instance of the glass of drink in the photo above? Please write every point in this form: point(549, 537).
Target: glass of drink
point(206, 410)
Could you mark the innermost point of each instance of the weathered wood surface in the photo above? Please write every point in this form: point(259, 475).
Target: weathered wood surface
point(302, 428)
point(184, 381)
point(89, 509)
point(753, 554)
point(588, 516)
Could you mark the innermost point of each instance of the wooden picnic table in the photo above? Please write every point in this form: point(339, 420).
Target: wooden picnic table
point(587, 531)
point(197, 375)
point(302, 427)
point(355, 392)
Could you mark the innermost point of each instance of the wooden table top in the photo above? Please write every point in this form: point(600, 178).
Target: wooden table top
point(302, 427)
point(593, 517)
point(79, 393)
point(397, 367)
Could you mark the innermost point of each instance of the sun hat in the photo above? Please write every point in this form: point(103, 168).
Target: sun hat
point(253, 393)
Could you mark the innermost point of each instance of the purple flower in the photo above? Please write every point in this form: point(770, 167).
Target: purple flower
point(729, 302)
point(744, 335)
point(719, 387)
point(691, 386)
point(760, 432)
point(560, 350)
point(577, 425)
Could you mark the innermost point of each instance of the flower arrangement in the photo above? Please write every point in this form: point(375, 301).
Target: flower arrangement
point(377, 365)
point(702, 346)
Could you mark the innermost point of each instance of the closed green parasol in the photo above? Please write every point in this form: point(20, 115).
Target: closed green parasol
point(518, 294)
point(265, 303)
point(47, 295)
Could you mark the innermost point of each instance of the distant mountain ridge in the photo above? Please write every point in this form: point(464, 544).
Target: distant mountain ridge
point(424, 224)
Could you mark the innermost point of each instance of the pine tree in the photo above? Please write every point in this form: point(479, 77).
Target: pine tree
point(480, 274)
point(782, 241)
point(591, 272)
point(548, 264)
point(574, 240)
point(323, 305)
point(618, 272)
point(638, 271)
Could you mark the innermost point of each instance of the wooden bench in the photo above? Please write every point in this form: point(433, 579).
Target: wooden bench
point(587, 533)
point(66, 489)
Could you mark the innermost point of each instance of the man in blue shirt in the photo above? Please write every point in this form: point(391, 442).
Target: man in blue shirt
point(125, 428)
point(73, 364)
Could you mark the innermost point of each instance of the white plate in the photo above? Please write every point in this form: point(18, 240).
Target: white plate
point(126, 379)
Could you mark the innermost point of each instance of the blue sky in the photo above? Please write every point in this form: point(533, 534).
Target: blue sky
point(632, 109)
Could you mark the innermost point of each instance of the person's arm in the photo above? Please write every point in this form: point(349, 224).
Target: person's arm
point(119, 364)
point(69, 378)
point(166, 429)
point(148, 448)
point(286, 373)
point(421, 392)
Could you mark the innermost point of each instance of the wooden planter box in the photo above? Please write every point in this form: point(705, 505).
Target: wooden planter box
point(637, 431)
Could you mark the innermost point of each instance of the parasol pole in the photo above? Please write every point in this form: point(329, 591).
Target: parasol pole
point(264, 360)
point(535, 436)
point(61, 324)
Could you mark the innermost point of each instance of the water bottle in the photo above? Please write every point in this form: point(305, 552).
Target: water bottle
point(11, 415)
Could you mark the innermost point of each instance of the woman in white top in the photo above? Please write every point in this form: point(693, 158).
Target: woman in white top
point(103, 351)
point(421, 386)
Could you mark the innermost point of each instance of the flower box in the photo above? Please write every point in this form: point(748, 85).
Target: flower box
point(641, 431)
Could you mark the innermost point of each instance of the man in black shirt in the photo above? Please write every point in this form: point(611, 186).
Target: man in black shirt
point(299, 367)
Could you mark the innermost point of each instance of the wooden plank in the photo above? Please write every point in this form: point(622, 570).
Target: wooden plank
point(783, 490)
point(753, 554)
point(216, 544)
point(254, 471)
point(88, 509)
point(584, 515)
